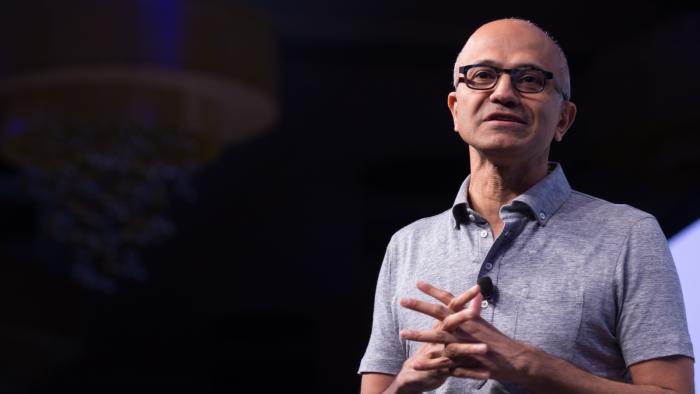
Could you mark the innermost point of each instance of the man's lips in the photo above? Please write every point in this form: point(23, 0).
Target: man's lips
point(504, 117)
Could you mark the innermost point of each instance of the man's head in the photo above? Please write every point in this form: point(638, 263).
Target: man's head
point(561, 72)
point(510, 122)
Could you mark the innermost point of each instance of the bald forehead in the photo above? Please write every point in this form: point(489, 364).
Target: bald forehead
point(512, 40)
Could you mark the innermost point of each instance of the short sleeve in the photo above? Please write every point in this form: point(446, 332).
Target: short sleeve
point(651, 321)
point(385, 352)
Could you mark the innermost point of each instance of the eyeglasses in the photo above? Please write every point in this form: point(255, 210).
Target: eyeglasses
point(528, 79)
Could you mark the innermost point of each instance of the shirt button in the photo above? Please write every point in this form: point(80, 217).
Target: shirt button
point(543, 216)
point(483, 233)
point(484, 304)
point(488, 266)
point(472, 217)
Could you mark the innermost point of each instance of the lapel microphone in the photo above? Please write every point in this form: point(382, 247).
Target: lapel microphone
point(487, 288)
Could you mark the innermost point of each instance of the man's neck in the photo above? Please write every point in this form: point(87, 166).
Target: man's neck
point(492, 186)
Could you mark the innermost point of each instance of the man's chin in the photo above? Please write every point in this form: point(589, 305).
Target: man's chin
point(502, 154)
point(498, 146)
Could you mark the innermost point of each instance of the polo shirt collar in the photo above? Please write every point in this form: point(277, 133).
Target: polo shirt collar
point(547, 195)
point(543, 199)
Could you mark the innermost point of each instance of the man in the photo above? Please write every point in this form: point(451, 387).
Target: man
point(582, 295)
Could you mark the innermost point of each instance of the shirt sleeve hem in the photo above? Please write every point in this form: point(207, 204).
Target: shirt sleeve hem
point(386, 366)
point(643, 353)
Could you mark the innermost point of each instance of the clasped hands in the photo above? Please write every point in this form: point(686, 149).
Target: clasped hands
point(460, 344)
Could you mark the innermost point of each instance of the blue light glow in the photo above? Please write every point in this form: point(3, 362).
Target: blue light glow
point(685, 247)
point(163, 31)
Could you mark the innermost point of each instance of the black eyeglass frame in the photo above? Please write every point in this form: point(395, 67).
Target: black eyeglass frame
point(547, 76)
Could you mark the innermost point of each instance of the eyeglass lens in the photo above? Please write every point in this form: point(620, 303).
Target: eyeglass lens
point(526, 80)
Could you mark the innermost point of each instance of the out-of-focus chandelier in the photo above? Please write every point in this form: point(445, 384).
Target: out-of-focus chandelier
point(108, 106)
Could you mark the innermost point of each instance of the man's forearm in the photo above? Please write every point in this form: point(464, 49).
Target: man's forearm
point(395, 389)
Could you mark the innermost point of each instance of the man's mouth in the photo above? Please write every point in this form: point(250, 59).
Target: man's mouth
point(504, 117)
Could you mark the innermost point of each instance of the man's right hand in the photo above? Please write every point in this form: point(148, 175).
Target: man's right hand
point(429, 357)
point(410, 380)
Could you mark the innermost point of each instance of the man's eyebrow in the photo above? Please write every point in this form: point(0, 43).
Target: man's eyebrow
point(487, 62)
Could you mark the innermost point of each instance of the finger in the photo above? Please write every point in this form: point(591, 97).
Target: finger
point(456, 319)
point(432, 336)
point(460, 301)
point(433, 364)
point(434, 310)
point(475, 304)
point(436, 353)
point(451, 322)
point(457, 350)
point(432, 350)
point(441, 295)
point(479, 374)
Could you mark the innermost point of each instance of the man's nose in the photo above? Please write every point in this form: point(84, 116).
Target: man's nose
point(504, 92)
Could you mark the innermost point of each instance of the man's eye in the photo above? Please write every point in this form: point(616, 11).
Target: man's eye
point(530, 77)
point(483, 75)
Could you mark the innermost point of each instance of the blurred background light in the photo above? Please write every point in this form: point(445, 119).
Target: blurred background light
point(685, 247)
point(109, 107)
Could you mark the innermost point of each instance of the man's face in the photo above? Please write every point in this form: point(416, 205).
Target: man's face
point(506, 125)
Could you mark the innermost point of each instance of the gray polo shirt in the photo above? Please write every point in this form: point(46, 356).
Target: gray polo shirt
point(581, 278)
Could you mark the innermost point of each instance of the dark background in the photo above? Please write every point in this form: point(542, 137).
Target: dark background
point(268, 284)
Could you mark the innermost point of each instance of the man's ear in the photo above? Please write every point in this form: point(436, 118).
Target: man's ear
point(566, 119)
point(452, 105)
